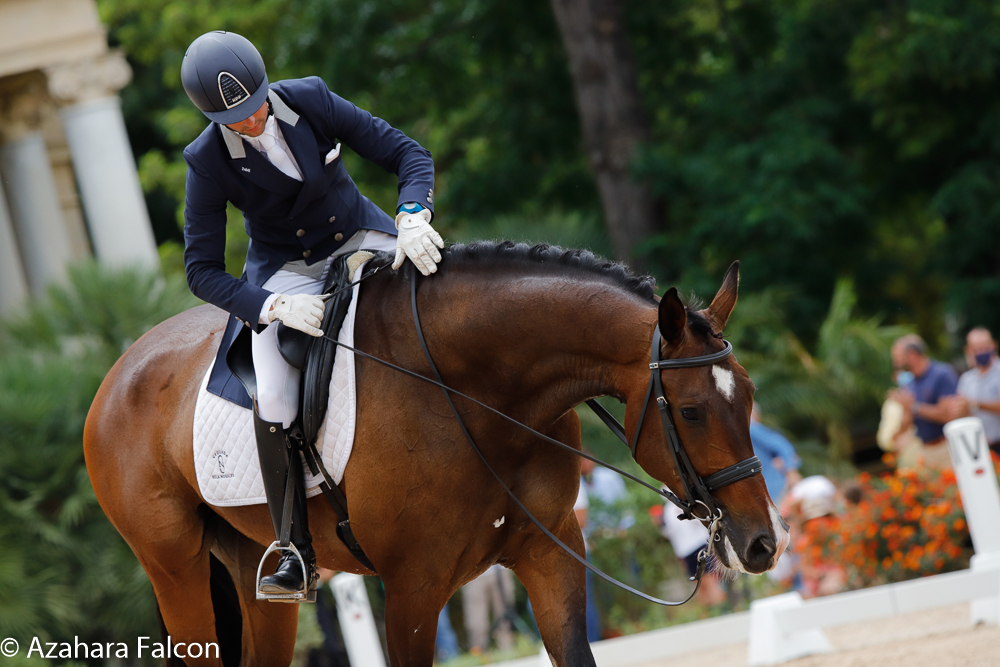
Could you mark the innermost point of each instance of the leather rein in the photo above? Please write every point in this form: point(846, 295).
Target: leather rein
point(697, 490)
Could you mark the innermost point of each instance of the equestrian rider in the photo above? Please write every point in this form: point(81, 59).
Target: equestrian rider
point(273, 151)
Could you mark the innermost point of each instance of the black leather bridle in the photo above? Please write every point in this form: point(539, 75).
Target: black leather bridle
point(697, 489)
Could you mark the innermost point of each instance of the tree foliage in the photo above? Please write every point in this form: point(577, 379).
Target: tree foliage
point(813, 139)
point(817, 140)
point(821, 392)
point(66, 571)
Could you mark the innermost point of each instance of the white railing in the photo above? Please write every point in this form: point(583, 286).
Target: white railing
point(785, 627)
point(658, 644)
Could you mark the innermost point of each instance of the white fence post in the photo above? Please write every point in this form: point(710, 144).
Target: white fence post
point(356, 621)
point(769, 643)
point(977, 482)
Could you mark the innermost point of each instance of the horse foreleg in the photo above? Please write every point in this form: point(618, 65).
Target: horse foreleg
point(558, 592)
point(411, 616)
point(268, 627)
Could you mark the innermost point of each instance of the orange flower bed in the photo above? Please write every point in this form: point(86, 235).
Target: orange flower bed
point(906, 526)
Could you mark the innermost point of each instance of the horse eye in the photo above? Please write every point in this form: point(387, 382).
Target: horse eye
point(690, 414)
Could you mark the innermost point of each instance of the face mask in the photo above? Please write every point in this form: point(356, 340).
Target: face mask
point(904, 378)
point(983, 359)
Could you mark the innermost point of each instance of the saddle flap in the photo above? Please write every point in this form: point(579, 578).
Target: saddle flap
point(293, 345)
point(318, 367)
point(239, 358)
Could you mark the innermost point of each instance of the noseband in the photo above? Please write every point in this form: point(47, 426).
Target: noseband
point(697, 489)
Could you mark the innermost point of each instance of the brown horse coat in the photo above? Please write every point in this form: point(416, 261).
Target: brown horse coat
point(531, 332)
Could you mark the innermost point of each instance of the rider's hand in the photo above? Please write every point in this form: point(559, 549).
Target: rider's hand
point(418, 241)
point(299, 311)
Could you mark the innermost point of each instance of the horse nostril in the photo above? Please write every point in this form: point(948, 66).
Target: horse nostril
point(762, 548)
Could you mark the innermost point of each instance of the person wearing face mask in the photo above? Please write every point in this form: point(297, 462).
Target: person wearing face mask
point(923, 398)
point(979, 387)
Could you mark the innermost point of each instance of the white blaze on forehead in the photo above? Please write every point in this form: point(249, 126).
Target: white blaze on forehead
point(724, 381)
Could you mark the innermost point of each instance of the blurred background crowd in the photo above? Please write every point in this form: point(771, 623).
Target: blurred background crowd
point(848, 153)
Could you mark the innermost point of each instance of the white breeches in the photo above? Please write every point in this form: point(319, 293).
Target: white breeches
point(277, 382)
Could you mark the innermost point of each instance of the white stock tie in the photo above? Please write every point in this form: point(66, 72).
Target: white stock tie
point(275, 152)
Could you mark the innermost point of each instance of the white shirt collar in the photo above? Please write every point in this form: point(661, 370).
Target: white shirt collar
point(270, 129)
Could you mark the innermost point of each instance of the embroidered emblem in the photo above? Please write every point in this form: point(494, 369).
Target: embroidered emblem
point(246, 169)
point(222, 457)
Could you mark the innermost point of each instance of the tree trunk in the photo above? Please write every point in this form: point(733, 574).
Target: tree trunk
point(607, 97)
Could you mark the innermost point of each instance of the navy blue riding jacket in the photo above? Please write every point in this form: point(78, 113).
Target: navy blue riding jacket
point(286, 219)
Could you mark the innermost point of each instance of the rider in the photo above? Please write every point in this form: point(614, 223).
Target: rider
point(273, 151)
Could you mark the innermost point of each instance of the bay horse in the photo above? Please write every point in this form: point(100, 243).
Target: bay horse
point(530, 331)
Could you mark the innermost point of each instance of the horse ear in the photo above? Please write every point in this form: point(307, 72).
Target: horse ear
point(672, 317)
point(722, 305)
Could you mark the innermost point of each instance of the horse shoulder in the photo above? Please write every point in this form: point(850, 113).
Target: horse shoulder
point(153, 385)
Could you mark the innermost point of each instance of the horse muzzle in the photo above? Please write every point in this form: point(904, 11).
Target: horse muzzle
point(759, 551)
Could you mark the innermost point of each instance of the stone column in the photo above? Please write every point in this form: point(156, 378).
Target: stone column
point(102, 158)
point(31, 191)
point(13, 284)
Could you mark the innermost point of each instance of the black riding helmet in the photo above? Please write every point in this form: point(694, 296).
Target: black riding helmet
point(224, 76)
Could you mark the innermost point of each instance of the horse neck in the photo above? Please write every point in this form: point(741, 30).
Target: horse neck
point(548, 343)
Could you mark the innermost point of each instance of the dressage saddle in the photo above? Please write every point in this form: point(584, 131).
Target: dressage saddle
point(314, 356)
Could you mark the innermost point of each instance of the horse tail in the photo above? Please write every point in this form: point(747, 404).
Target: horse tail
point(228, 617)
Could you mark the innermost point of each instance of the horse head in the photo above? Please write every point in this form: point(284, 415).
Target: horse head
point(709, 405)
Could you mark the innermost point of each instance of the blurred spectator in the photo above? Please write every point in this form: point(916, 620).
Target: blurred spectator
point(979, 387)
point(582, 509)
point(921, 397)
point(776, 454)
point(811, 507)
point(688, 538)
point(896, 432)
point(446, 644)
point(601, 483)
point(492, 591)
point(608, 488)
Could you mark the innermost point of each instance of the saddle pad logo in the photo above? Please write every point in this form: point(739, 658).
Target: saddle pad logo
point(222, 458)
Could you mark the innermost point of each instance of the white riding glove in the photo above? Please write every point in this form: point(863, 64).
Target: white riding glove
point(418, 241)
point(299, 311)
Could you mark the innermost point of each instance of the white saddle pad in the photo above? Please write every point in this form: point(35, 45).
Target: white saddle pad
point(225, 448)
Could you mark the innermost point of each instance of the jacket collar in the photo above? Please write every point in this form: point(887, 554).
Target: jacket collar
point(281, 111)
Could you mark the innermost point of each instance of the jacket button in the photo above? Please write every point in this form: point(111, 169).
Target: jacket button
point(300, 233)
point(333, 218)
point(307, 253)
point(338, 237)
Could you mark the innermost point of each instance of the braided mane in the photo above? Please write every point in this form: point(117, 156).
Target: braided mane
point(507, 253)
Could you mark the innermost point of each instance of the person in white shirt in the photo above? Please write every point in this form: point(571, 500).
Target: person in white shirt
point(979, 387)
point(687, 539)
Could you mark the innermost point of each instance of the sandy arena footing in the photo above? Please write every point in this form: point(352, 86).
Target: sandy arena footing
point(940, 637)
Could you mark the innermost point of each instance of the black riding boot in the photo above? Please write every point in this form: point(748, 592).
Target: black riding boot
point(288, 577)
point(273, 451)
